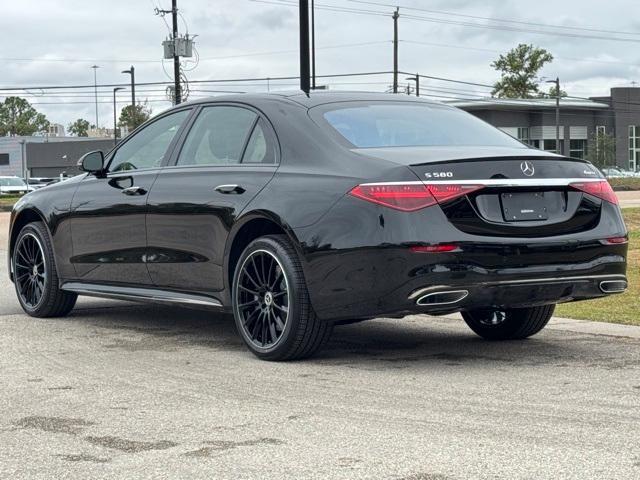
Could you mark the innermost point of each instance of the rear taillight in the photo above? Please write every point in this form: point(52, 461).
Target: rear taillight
point(600, 189)
point(409, 197)
point(450, 191)
point(440, 248)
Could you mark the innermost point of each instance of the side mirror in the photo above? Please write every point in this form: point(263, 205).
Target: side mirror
point(92, 162)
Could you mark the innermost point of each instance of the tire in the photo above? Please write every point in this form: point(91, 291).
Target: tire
point(38, 289)
point(268, 285)
point(512, 324)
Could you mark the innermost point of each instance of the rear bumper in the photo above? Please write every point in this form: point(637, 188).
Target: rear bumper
point(516, 293)
point(366, 283)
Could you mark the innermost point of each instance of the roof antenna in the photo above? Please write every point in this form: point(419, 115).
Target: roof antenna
point(305, 73)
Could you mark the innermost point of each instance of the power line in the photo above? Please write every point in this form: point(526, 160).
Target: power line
point(508, 28)
point(477, 49)
point(523, 30)
point(443, 79)
point(228, 80)
point(546, 25)
point(333, 8)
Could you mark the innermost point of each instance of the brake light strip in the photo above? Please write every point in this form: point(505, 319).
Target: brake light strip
point(502, 182)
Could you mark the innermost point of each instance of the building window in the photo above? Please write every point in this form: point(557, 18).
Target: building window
point(601, 130)
point(550, 146)
point(4, 159)
point(578, 149)
point(634, 147)
point(523, 135)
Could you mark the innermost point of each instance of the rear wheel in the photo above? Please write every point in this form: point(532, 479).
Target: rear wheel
point(35, 276)
point(511, 324)
point(271, 304)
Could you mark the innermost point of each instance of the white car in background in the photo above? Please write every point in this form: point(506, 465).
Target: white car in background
point(617, 172)
point(14, 186)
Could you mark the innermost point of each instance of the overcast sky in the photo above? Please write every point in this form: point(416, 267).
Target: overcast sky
point(55, 43)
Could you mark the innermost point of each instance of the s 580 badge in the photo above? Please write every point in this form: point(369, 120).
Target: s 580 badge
point(439, 175)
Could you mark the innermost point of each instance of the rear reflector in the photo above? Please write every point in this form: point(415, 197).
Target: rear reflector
point(600, 189)
point(442, 248)
point(614, 241)
point(410, 197)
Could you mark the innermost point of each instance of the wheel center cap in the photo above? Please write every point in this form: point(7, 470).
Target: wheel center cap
point(35, 270)
point(268, 299)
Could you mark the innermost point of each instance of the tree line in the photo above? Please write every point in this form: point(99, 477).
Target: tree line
point(19, 118)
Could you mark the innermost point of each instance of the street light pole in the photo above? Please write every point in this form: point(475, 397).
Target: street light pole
point(417, 80)
point(396, 15)
point(95, 89)
point(557, 83)
point(304, 46)
point(313, 44)
point(115, 123)
point(132, 72)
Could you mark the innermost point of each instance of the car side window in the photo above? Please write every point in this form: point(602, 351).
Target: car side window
point(147, 148)
point(218, 136)
point(261, 147)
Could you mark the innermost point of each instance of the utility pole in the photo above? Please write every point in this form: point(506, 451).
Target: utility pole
point(313, 44)
point(304, 46)
point(95, 89)
point(396, 15)
point(176, 57)
point(132, 72)
point(557, 83)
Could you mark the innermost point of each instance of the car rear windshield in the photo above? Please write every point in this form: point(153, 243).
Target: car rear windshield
point(11, 182)
point(374, 125)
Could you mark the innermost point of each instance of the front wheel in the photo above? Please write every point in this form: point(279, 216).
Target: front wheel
point(510, 324)
point(271, 304)
point(35, 276)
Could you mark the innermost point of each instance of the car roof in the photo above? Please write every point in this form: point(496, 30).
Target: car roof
point(315, 98)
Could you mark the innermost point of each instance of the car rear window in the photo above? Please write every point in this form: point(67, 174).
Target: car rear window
point(375, 125)
point(12, 182)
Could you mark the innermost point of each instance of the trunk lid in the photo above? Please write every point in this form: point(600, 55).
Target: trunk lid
point(520, 192)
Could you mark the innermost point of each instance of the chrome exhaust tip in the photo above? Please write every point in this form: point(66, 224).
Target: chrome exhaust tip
point(442, 298)
point(613, 286)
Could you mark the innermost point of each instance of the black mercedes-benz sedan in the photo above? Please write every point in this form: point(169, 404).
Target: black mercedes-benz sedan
point(299, 212)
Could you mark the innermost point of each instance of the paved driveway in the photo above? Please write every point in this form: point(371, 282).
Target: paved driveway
point(629, 199)
point(119, 390)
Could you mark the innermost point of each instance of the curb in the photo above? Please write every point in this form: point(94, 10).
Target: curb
point(584, 326)
point(594, 328)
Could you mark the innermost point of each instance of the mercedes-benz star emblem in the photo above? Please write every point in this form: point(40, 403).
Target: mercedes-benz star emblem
point(527, 168)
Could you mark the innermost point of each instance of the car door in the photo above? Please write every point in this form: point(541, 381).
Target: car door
point(108, 211)
point(228, 155)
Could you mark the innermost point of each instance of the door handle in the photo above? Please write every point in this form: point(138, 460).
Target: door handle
point(134, 191)
point(237, 189)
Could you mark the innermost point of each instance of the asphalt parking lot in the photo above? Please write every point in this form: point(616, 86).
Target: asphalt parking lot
point(118, 390)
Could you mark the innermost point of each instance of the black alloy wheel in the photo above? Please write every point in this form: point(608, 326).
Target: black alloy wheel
point(35, 275)
point(271, 303)
point(263, 298)
point(30, 270)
